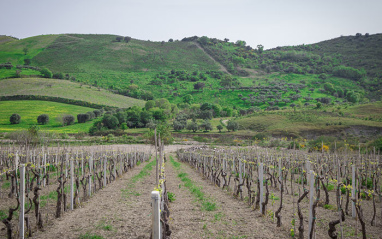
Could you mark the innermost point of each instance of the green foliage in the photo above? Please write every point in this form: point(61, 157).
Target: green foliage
point(192, 126)
point(15, 119)
point(110, 122)
point(219, 127)
point(232, 125)
point(171, 196)
point(82, 118)
point(30, 110)
point(46, 73)
point(43, 119)
point(67, 119)
point(349, 72)
point(206, 125)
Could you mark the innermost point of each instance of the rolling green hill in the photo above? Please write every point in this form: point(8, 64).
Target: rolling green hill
point(65, 89)
point(271, 79)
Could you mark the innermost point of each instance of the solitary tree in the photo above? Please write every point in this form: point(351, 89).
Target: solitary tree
point(15, 119)
point(25, 50)
point(260, 48)
point(219, 127)
point(232, 125)
point(43, 119)
point(127, 39)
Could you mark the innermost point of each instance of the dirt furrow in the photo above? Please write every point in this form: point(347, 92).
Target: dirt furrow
point(185, 217)
point(232, 219)
point(121, 210)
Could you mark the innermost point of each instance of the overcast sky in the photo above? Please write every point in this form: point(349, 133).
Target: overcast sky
point(271, 23)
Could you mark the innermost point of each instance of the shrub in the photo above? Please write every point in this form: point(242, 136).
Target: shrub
point(111, 122)
point(219, 127)
point(82, 118)
point(45, 72)
point(232, 125)
point(97, 113)
point(43, 119)
point(58, 76)
point(91, 115)
point(15, 119)
point(67, 120)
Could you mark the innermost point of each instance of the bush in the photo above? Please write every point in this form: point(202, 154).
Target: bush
point(46, 73)
point(97, 113)
point(91, 115)
point(58, 76)
point(15, 119)
point(67, 120)
point(43, 119)
point(110, 122)
point(82, 118)
point(232, 125)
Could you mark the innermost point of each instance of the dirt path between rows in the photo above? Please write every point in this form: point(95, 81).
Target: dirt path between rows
point(232, 219)
point(121, 210)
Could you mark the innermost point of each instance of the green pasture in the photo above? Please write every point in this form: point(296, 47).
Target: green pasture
point(30, 110)
point(65, 89)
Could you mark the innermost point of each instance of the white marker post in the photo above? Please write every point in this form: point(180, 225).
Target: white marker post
point(71, 184)
point(156, 228)
point(261, 179)
point(311, 200)
point(22, 201)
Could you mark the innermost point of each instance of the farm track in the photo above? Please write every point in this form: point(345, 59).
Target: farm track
point(232, 219)
point(118, 211)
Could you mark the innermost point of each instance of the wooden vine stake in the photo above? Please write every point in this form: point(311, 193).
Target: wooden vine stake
point(354, 213)
point(311, 201)
point(261, 178)
point(104, 171)
point(156, 225)
point(22, 201)
point(71, 184)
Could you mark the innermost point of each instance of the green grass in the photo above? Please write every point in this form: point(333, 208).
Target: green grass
point(196, 191)
point(90, 236)
point(29, 110)
point(289, 122)
point(65, 89)
point(12, 51)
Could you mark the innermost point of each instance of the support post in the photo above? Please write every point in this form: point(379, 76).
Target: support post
point(71, 184)
point(353, 214)
point(104, 171)
point(156, 228)
point(90, 175)
point(311, 200)
point(22, 201)
point(261, 179)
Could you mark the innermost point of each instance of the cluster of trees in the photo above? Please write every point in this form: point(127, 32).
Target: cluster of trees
point(181, 123)
point(133, 91)
point(174, 76)
point(153, 113)
point(121, 38)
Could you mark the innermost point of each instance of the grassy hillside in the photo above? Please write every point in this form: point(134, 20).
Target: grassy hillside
point(65, 89)
point(104, 58)
point(270, 79)
point(30, 110)
point(12, 51)
point(344, 121)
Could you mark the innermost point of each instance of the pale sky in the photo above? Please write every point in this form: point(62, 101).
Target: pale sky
point(271, 23)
